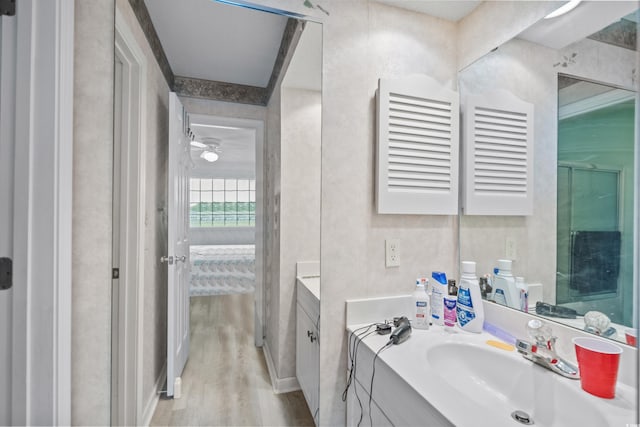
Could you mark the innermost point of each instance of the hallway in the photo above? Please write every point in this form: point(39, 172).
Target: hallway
point(226, 382)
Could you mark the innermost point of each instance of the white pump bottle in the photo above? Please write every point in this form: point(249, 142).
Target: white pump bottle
point(421, 314)
point(469, 307)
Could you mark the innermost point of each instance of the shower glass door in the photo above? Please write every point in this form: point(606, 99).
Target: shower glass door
point(588, 220)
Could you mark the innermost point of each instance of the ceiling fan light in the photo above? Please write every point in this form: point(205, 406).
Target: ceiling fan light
point(565, 8)
point(209, 156)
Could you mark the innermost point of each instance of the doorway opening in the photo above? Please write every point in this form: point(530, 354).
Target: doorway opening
point(226, 369)
point(226, 212)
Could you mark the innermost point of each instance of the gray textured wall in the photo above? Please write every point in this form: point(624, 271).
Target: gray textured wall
point(92, 191)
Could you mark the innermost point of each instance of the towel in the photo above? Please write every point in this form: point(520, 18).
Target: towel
point(595, 261)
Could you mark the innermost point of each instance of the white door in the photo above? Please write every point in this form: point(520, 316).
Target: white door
point(7, 106)
point(178, 242)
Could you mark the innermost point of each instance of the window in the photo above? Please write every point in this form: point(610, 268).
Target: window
point(222, 202)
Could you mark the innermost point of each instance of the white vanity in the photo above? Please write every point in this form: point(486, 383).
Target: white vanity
point(472, 380)
point(307, 338)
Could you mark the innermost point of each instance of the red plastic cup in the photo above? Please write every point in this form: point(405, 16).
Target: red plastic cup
point(598, 362)
point(631, 335)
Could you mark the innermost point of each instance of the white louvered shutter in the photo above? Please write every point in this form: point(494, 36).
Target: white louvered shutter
point(498, 155)
point(417, 147)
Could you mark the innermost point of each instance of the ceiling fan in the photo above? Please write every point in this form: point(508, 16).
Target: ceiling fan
point(208, 148)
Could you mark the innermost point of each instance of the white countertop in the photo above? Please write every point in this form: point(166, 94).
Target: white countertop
point(312, 283)
point(409, 362)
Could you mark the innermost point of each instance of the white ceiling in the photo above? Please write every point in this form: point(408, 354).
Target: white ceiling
point(451, 10)
point(583, 97)
point(237, 145)
point(214, 41)
point(587, 18)
point(580, 91)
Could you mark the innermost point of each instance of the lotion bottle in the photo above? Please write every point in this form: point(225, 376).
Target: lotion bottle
point(420, 307)
point(438, 292)
point(469, 306)
point(450, 301)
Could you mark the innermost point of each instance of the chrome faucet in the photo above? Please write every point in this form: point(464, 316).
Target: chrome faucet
point(543, 352)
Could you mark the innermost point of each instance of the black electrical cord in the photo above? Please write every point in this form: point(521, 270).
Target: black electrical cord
point(352, 374)
point(373, 374)
point(354, 340)
point(355, 388)
point(352, 346)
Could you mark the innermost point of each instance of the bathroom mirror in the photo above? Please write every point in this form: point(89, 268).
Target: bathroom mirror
point(249, 79)
point(576, 250)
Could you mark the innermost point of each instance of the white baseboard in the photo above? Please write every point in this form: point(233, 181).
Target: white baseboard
point(280, 385)
point(154, 397)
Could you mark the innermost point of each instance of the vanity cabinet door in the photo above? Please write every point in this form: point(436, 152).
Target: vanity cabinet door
point(308, 359)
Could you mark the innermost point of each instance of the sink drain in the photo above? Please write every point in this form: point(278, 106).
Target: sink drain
point(522, 417)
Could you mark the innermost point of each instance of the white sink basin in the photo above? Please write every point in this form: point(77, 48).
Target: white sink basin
point(501, 382)
point(471, 383)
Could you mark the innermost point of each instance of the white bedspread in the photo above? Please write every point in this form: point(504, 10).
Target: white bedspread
point(222, 269)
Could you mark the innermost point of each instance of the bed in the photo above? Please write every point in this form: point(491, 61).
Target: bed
point(222, 269)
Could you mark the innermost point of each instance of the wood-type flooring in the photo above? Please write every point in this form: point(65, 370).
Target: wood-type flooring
point(225, 381)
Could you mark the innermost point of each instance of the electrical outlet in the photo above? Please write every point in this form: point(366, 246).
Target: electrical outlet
point(510, 248)
point(392, 253)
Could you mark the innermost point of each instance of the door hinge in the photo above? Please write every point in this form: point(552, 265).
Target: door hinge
point(6, 273)
point(8, 7)
point(115, 273)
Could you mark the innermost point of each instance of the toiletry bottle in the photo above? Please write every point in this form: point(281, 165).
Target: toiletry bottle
point(504, 286)
point(427, 289)
point(492, 282)
point(450, 315)
point(523, 289)
point(489, 287)
point(421, 307)
point(438, 292)
point(469, 306)
point(484, 288)
point(452, 289)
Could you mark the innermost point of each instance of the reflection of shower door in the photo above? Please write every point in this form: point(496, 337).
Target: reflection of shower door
point(588, 200)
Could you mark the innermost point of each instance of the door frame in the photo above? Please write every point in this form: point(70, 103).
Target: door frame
point(7, 138)
point(129, 232)
point(597, 167)
point(42, 291)
point(259, 127)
